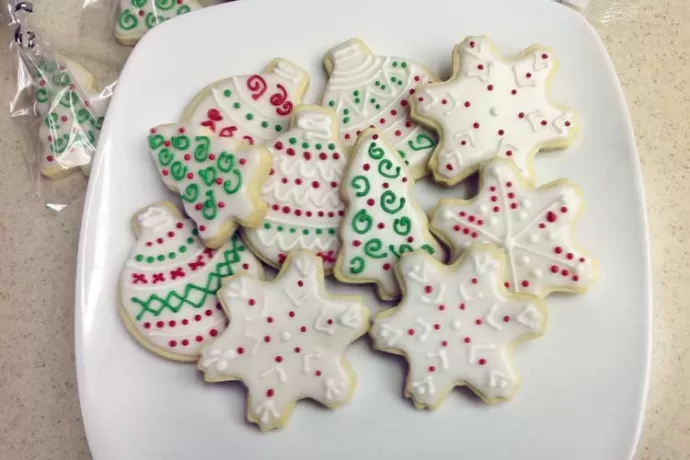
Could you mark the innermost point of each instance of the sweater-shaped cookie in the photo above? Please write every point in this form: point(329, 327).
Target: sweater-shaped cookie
point(169, 283)
point(493, 106)
point(367, 90)
point(532, 225)
point(218, 179)
point(457, 325)
point(253, 109)
point(382, 219)
point(136, 17)
point(304, 206)
point(71, 116)
point(286, 340)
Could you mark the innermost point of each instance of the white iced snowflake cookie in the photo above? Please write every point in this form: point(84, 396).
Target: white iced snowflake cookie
point(218, 179)
point(367, 90)
point(168, 285)
point(304, 207)
point(457, 325)
point(136, 17)
point(491, 107)
point(382, 219)
point(71, 114)
point(286, 340)
point(253, 109)
point(532, 225)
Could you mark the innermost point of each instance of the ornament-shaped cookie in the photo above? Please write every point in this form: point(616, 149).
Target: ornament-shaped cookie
point(136, 17)
point(367, 90)
point(382, 219)
point(304, 206)
point(253, 109)
point(457, 325)
point(218, 179)
point(71, 116)
point(286, 340)
point(491, 107)
point(533, 226)
point(169, 283)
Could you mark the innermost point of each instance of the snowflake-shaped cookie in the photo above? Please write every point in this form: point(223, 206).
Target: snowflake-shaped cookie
point(493, 106)
point(533, 226)
point(286, 340)
point(457, 325)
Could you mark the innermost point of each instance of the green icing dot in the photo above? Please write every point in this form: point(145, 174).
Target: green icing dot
point(393, 79)
point(264, 124)
point(293, 230)
point(356, 93)
point(293, 140)
point(331, 104)
point(346, 120)
point(357, 100)
point(400, 83)
point(346, 111)
point(383, 86)
point(372, 100)
point(227, 93)
point(237, 105)
point(161, 257)
point(331, 146)
point(305, 145)
point(278, 128)
point(190, 240)
point(249, 116)
point(319, 231)
point(195, 232)
point(305, 232)
point(395, 63)
point(318, 146)
point(407, 162)
point(183, 249)
point(267, 225)
point(280, 228)
point(150, 259)
point(172, 255)
point(331, 231)
point(139, 258)
point(378, 83)
point(378, 106)
point(404, 65)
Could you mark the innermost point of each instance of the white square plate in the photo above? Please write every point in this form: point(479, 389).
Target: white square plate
point(583, 383)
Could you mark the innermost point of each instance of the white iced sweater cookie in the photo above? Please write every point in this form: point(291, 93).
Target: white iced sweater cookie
point(253, 109)
point(493, 106)
point(169, 283)
point(304, 207)
point(533, 226)
point(367, 90)
point(286, 340)
point(457, 325)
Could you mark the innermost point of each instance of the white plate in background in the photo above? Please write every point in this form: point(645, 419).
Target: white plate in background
point(583, 383)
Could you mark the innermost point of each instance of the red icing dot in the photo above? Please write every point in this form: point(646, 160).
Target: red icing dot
point(472, 44)
point(197, 317)
point(544, 56)
point(356, 243)
point(467, 104)
point(420, 99)
point(167, 143)
point(437, 326)
point(267, 338)
point(570, 256)
point(381, 225)
point(240, 350)
point(506, 319)
point(513, 92)
point(490, 87)
point(501, 132)
point(165, 171)
point(474, 281)
point(190, 175)
point(558, 249)
point(185, 321)
point(576, 278)
point(147, 325)
point(269, 319)
point(513, 205)
point(318, 373)
point(462, 306)
point(525, 283)
point(442, 307)
point(482, 362)
point(278, 145)
point(298, 181)
point(303, 328)
point(366, 167)
point(198, 206)
point(307, 155)
point(554, 269)
point(270, 392)
point(323, 156)
point(245, 266)
point(347, 136)
point(179, 225)
point(185, 342)
point(410, 332)
point(297, 349)
point(456, 228)
point(213, 332)
point(582, 259)
point(300, 283)
point(567, 124)
point(444, 101)
point(478, 322)
point(279, 359)
point(432, 368)
point(290, 151)
point(528, 75)
point(565, 272)
point(315, 184)
point(212, 156)
point(480, 67)
point(475, 125)
point(507, 284)
point(370, 202)
point(467, 340)
point(428, 289)
point(521, 115)
point(564, 209)
point(449, 166)
point(199, 338)
point(444, 343)
point(398, 133)
point(208, 312)
point(551, 216)
point(336, 156)
point(202, 228)
point(544, 122)
point(187, 157)
point(173, 343)
point(386, 266)
point(286, 209)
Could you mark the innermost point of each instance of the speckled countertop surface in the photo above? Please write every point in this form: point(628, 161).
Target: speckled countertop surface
point(39, 408)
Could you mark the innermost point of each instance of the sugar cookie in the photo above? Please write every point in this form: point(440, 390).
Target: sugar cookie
point(493, 106)
point(218, 179)
point(305, 208)
point(382, 219)
point(169, 283)
point(532, 225)
point(286, 340)
point(457, 325)
point(136, 17)
point(367, 90)
point(253, 109)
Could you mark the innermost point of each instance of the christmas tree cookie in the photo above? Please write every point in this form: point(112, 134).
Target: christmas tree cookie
point(218, 179)
point(532, 225)
point(493, 106)
point(71, 116)
point(286, 341)
point(457, 325)
point(136, 17)
point(304, 206)
point(253, 109)
point(382, 220)
point(169, 283)
point(367, 90)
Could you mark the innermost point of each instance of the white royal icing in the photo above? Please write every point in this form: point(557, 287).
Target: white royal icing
point(382, 219)
point(465, 337)
point(136, 18)
point(542, 256)
point(304, 205)
point(212, 174)
point(493, 107)
point(368, 90)
point(169, 282)
point(253, 109)
point(286, 340)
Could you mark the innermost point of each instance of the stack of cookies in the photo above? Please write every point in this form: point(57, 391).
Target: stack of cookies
point(330, 189)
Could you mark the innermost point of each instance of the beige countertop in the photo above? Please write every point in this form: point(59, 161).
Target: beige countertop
point(39, 407)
